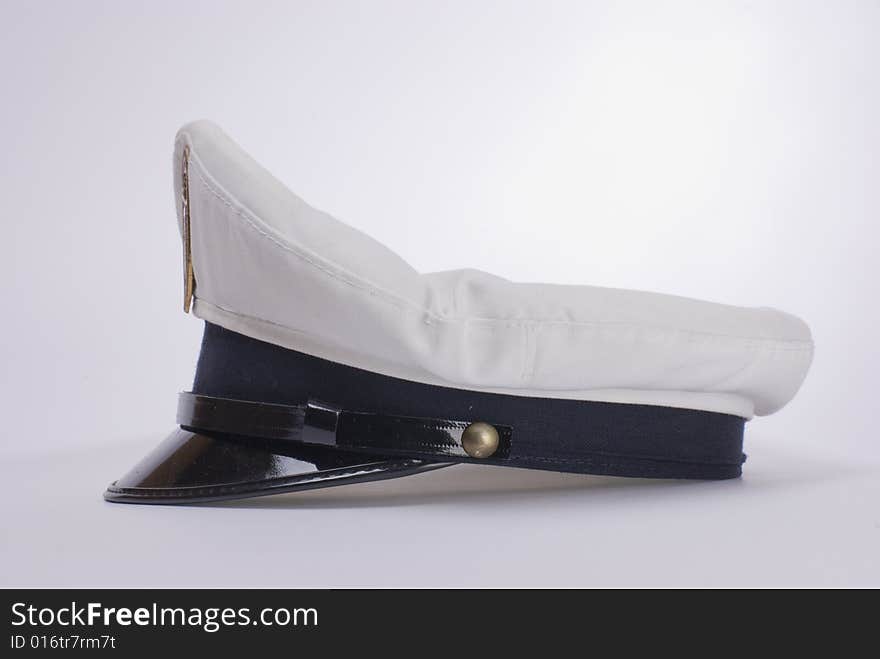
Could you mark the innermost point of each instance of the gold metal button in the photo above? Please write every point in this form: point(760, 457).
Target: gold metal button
point(480, 440)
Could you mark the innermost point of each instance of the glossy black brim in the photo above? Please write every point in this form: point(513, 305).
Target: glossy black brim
point(191, 467)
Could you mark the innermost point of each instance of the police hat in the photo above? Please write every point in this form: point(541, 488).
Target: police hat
point(327, 359)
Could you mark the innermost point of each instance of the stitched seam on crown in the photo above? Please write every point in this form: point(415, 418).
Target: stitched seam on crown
point(353, 282)
point(692, 336)
point(530, 351)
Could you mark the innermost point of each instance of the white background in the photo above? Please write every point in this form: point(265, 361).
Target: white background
point(720, 150)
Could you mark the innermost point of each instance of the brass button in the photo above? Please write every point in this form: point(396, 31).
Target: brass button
point(480, 440)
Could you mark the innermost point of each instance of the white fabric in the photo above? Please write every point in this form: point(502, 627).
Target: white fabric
point(270, 266)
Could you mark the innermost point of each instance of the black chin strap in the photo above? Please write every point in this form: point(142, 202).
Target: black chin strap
point(323, 424)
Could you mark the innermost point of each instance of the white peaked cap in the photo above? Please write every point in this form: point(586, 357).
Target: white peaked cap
point(269, 266)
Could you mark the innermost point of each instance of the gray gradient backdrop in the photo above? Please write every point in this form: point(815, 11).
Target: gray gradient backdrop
point(720, 150)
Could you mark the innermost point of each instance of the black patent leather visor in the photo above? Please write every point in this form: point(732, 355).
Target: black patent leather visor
point(193, 467)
